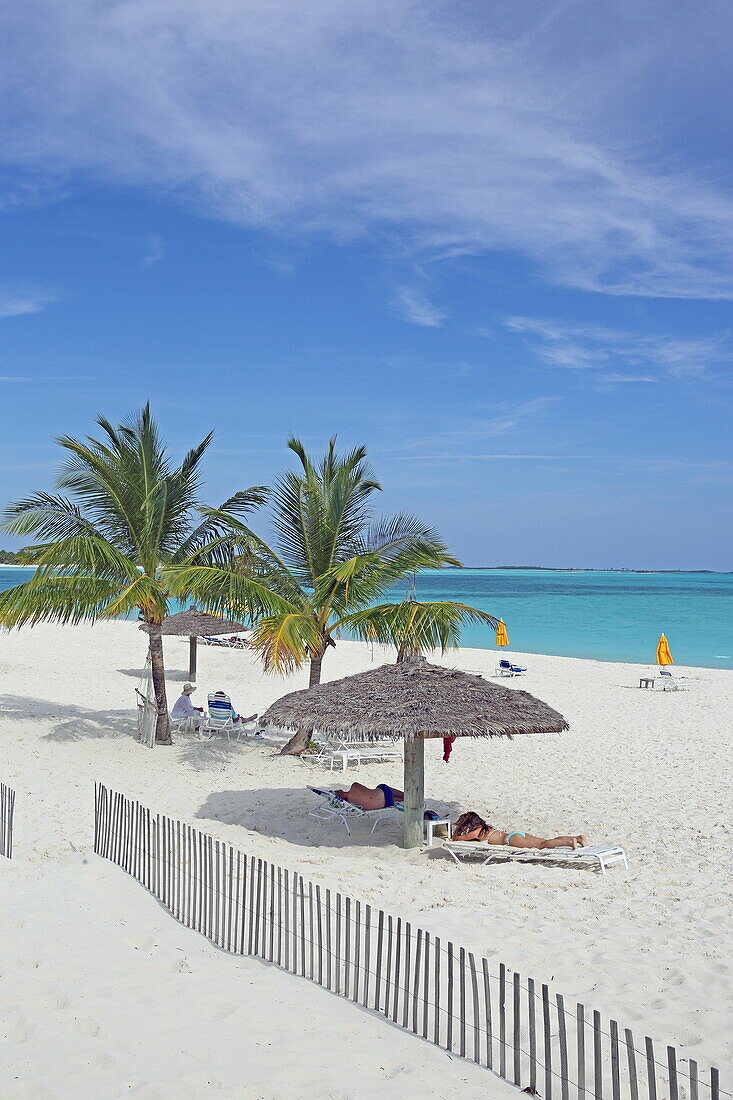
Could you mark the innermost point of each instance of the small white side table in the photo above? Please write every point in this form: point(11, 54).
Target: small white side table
point(430, 824)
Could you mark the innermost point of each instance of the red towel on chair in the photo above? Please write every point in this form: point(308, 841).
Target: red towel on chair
point(447, 747)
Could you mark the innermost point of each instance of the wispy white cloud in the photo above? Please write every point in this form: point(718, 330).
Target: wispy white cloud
point(616, 378)
point(18, 303)
point(457, 128)
point(412, 305)
point(154, 250)
point(483, 425)
point(621, 356)
point(464, 456)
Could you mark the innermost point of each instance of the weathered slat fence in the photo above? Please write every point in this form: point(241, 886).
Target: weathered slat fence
point(420, 982)
point(7, 809)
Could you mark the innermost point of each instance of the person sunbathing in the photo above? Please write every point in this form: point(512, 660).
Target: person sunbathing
point(470, 826)
point(380, 797)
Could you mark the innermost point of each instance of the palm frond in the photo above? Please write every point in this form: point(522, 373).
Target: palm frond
point(318, 514)
point(414, 627)
point(50, 517)
point(142, 593)
point(127, 486)
point(219, 525)
point(123, 512)
point(107, 488)
point(367, 577)
point(390, 537)
point(223, 590)
point(285, 641)
point(340, 558)
point(246, 501)
point(295, 519)
point(57, 598)
point(83, 553)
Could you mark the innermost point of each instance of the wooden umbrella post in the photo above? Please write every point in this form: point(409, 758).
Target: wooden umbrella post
point(194, 624)
point(413, 835)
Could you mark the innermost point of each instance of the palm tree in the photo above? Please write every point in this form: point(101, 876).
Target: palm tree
point(131, 520)
point(330, 563)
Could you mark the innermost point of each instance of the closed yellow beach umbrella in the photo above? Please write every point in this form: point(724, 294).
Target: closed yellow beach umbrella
point(664, 657)
point(502, 638)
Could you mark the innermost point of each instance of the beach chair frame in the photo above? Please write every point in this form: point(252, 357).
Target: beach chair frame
point(343, 750)
point(670, 682)
point(598, 854)
point(506, 668)
point(333, 808)
point(187, 724)
point(211, 724)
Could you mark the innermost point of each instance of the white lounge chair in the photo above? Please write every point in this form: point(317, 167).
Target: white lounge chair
point(670, 682)
point(187, 724)
point(506, 668)
point(341, 750)
point(334, 808)
point(603, 855)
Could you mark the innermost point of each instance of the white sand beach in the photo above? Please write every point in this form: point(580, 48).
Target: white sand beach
point(103, 993)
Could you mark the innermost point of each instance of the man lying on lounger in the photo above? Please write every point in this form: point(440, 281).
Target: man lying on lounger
point(380, 797)
point(470, 826)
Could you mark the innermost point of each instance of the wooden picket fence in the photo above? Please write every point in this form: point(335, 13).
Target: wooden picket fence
point(7, 809)
point(419, 981)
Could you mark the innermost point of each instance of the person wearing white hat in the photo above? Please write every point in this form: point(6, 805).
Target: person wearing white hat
point(184, 708)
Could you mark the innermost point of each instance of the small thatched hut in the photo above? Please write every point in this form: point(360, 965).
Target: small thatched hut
point(414, 700)
point(195, 624)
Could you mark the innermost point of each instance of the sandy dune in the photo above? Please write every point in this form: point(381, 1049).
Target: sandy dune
point(103, 992)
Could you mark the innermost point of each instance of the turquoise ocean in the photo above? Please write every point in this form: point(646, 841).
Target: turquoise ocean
point(609, 616)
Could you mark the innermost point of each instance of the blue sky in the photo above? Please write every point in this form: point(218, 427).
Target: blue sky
point(494, 241)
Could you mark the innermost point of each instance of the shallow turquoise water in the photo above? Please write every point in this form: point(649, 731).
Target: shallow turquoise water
point(609, 616)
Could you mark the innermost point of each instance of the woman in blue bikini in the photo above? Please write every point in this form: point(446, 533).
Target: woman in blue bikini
point(470, 826)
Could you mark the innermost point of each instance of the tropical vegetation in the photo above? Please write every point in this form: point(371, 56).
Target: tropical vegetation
point(123, 518)
point(330, 563)
point(126, 533)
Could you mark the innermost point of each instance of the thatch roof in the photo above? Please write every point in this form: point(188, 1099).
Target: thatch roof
point(414, 699)
point(194, 622)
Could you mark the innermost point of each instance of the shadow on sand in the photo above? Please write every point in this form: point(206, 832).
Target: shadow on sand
point(283, 812)
point(175, 674)
point(70, 722)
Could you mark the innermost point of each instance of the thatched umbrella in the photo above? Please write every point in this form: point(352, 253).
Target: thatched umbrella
point(194, 623)
point(414, 700)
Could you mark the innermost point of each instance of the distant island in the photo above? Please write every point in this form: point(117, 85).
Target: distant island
point(607, 569)
point(9, 557)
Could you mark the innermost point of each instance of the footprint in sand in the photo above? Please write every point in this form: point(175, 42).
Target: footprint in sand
point(17, 1029)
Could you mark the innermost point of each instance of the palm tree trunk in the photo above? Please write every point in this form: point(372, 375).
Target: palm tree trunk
point(297, 743)
point(315, 669)
point(162, 725)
